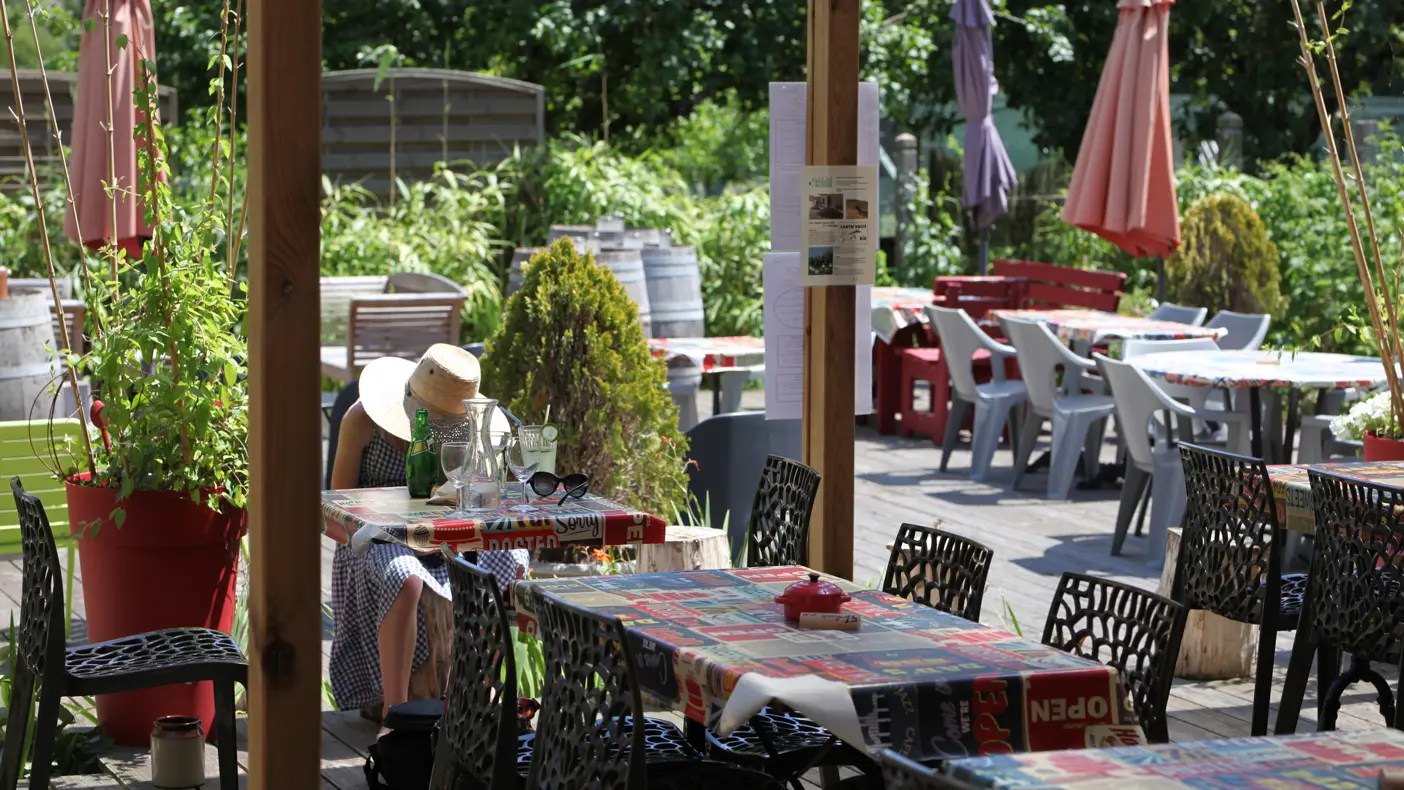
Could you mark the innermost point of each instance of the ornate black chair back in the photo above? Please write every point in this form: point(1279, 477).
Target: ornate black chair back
point(779, 526)
point(1357, 583)
point(478, 732)
point(1121, 626)
point(1230, 560)
point(940, 569)
point(40, 633)
point(583, 738)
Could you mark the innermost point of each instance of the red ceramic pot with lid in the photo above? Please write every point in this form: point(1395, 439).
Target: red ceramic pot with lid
point(812, 596)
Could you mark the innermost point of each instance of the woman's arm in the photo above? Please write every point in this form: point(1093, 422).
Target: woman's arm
point(355, 434)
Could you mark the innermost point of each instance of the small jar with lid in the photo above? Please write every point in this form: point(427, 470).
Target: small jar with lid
point(177, 752)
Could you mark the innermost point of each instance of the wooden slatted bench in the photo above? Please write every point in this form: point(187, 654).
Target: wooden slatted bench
point(392, 325)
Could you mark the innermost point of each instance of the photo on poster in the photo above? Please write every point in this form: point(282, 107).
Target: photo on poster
point(821, 260)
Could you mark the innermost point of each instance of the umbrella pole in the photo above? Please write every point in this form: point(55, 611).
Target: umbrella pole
point(1160, 280)
point(984, 251)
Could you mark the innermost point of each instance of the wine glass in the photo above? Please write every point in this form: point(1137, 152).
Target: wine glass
point(453, 457)
point(522, 467)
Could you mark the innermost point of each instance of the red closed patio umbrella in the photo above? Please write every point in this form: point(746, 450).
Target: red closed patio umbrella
point(91, 169)
point(1123, 186)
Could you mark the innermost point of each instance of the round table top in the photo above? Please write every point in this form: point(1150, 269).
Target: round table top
point(1246, 369)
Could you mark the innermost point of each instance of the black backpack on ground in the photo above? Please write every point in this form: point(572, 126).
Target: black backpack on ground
point(403, 758)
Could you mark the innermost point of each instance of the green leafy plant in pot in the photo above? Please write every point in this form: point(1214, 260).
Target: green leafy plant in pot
point(157, 498)
point(1378, 421)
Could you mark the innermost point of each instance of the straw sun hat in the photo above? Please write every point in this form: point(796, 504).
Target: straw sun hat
point(393, 389)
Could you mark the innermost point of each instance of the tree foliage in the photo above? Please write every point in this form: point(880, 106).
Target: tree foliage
point(571, 341)
point(1235, 55)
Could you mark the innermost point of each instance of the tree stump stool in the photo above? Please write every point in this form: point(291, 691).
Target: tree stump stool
point(687, 549)
point(1213, 647)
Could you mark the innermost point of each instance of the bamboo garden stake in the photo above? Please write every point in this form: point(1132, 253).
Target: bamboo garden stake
point(18, 114)
point(1384, 318)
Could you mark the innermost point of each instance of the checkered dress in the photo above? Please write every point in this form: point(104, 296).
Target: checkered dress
point(365, 585)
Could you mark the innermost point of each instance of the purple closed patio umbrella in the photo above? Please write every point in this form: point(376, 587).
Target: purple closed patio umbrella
point(988, 174)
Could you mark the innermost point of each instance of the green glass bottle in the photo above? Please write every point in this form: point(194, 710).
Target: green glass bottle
point(421, 464)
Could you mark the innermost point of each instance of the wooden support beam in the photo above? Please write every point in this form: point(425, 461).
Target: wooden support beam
point(832, 129)
point(285, 431)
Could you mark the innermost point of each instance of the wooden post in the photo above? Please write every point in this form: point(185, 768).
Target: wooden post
point(828, 336)
point(285, 439)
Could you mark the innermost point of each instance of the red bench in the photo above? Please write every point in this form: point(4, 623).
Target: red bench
point(977, 296)
point(1051, 287)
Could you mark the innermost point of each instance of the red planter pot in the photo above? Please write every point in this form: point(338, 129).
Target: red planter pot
point(1378, 448)
point(173, 563)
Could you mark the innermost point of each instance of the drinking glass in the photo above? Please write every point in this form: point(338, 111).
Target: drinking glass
point(522, 466)
point(539, 443)
point(453, 457)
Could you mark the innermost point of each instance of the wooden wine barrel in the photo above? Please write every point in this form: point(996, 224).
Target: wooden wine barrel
point(26, 343)
point(674, 291)
point(628, 268)
point(649, 237)
point(521, 256)
point(578, 232)
point(516, 273)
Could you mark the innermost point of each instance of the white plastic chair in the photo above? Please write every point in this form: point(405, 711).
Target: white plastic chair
point(1198, 397)
point(1079, 420)
point(1246, 331)
point(1169, 311)
point(1138, 400)
point(961, 339)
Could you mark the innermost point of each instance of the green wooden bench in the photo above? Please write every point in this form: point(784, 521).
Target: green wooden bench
point(23, 445)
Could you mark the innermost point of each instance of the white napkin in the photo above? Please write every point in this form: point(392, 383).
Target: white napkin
point(827, 702)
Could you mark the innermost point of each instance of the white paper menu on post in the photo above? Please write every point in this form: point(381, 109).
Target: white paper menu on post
point(788, 103)
point(784, 340)
point(783, 275)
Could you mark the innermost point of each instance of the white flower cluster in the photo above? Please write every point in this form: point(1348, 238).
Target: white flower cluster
point(1373, 414)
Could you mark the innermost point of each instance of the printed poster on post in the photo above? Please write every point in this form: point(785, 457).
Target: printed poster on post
point(839, 226)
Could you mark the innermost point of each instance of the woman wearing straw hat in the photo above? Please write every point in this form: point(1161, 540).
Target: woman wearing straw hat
point(380, 636)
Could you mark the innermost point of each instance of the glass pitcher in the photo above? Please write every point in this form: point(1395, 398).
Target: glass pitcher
point(482, 482)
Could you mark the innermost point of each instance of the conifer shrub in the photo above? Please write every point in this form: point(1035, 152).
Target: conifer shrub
point(1226, 260)
point(571, 338)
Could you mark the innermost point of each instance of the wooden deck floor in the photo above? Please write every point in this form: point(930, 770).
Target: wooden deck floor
point(1034, 541)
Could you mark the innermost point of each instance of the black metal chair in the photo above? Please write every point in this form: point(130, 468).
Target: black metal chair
point(1355, 598)
point(586, 734)
point(779, 526)
point(901, 773)
point(1121, 626)
point(344, 400)
point(1231, 556)
point(478, 744)
point(940, 569)
point(157, 658)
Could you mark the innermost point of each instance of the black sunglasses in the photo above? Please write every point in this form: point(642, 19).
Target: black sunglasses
point(545, 484)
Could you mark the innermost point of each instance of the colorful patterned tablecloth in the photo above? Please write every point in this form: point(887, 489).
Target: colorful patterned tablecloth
point(926, 683)
point(390, 514)
point(1324, 760)
point(1095, 326)
point(1246, 369)
point(713, 354)
point(895, 308)
point(1291, 487)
